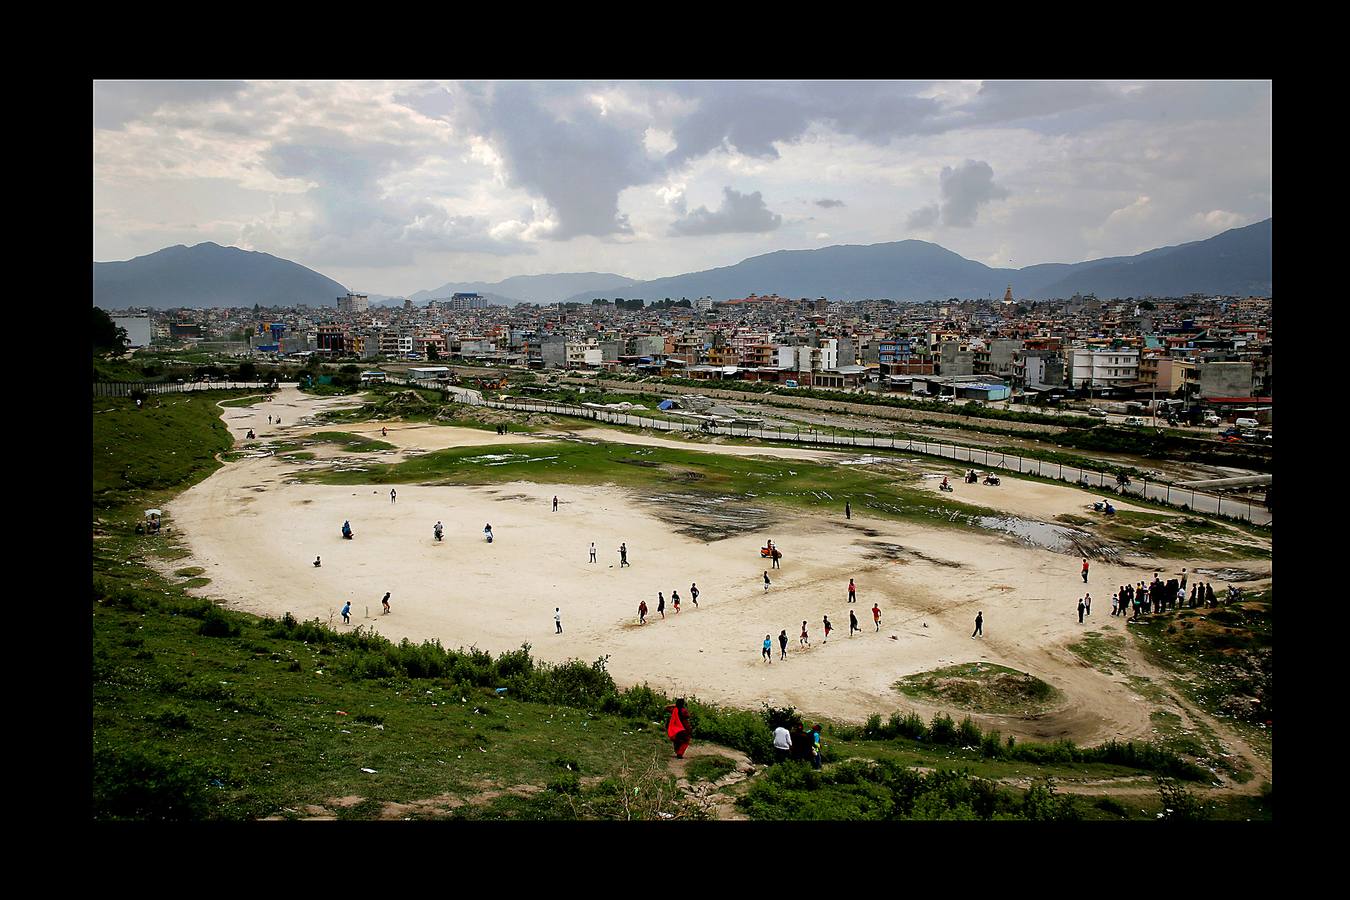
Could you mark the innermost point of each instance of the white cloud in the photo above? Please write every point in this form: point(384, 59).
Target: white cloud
point(738, 213)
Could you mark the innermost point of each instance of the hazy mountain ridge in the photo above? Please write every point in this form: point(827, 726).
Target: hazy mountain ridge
point(208, 275)
point(547, 288)
point(1237, 261)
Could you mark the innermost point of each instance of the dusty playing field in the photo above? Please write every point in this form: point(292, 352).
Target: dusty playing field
point(257, 536)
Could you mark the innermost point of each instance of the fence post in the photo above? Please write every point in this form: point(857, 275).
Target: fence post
point(1169, 493)
point(1061, 471)
point(1220, 511)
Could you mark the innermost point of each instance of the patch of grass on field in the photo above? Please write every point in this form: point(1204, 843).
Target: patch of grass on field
point(1101, 651)
point(246, 401)
point(709, 768)
point(792, 482)
point(982, 687)
point(189, 572)
point(352, 443)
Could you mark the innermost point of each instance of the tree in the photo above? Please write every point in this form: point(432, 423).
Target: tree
point(248, 371)
point(109, 337)
point(433, 355)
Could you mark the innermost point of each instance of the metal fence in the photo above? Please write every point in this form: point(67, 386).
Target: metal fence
point(127, 388)
point(1158, 491)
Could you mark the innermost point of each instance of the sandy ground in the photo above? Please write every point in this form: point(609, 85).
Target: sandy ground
point(256, 533)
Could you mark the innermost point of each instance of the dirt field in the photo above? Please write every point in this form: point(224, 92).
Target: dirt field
point(256, 533)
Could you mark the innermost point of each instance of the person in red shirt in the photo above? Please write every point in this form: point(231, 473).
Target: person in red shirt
point(828, 629)
point(876, 615)
point(678, 727)
point(852, 592)
point(1085, 570)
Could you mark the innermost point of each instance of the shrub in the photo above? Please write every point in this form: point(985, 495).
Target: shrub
point(911, 726)
point(171, 717)
point(872, 729)
point(991, 745)
point(942, 730)
point(1179, 804)
point(137, 785)
point(1112, 806)
point(218, 623)
point(566, 783)
point(968, 735)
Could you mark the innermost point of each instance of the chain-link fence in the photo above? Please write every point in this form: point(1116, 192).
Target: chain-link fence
point(127, 388)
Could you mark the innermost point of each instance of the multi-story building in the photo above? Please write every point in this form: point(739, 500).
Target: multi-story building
point(353, 304)
point(1107, 369)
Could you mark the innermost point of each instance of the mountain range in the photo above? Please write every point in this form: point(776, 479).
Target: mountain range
point(1237, 261)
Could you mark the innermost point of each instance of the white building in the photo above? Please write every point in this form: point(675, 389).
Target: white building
point(1100, 369)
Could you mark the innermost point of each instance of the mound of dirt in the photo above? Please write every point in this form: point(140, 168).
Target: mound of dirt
point(982, 687)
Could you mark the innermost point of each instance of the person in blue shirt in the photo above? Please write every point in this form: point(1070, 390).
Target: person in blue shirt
point(346, 613)
point(768, 649)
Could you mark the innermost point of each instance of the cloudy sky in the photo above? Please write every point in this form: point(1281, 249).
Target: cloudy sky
point(394, 187)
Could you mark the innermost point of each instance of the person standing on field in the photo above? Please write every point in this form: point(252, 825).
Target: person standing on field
point(385, 601)
point(852, 592)
point(642, 613)
point(782, 744)
point(555, 503)
point(623, 555)
point(876, 615)
point(661, 604)
point(393, 495)
point(828, 629)
point(557, 619)
point(852, 623)
point(1087, 602)
point(848, 510)
point(766, 582)
point(346, 613)
point(805, 639)
point(768, 650)
point(782, 644)
point(592, 551)
point(675, 601)
point(693, 593)
point(1080, 611)
point(979, 624)
point(1085, 571)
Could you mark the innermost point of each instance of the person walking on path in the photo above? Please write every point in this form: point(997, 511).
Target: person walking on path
point(557, 619)
point(876, 615)
point(678, 729)
point(1085, 571)
point(848, 510)
point(393, 495)
point(384, 432)
point(828, 629)
point(642, 613)
point(782, 644)
point(782, 744)
point(555, 503)
point(385, 601)
point(623, 555)
point(805, 638)
point(1080, 611)
point(766, 581)
point(693, 593)
point(852, 592)
point(979, 624)
point(1087, 602)
point(346, 613)
point(269, 420)
point(675, 601)
point(852, 623)
point(661, 604)
point(768, 650)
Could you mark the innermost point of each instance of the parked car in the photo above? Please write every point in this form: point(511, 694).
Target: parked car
point(1096, 411)
point(1133, 420)
point(1246, 423)
point(1211, 419)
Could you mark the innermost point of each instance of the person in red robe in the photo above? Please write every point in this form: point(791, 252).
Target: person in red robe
point(678, 729)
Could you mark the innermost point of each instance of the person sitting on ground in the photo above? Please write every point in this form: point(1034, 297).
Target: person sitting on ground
point(317, 563)
point(346, 529)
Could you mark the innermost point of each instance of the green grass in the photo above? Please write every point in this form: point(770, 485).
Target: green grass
point(352, 443)
point(982, 687)
point(247, 401)
point(709, 768)
point(1101, 651)
point(797, 483)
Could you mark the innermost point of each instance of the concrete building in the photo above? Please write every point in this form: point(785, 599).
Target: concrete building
point(997, 358)
point(955, 359)
point(1225, 379)
point(1038, 370)
point(1163, 374)
point(553, 352)
point(353, 303)
point(1103, 369)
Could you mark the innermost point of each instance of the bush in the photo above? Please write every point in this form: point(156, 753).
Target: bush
point(566, 783)
point(968, 735)
point(218, 623)
point(136, 785)
point(942, 730)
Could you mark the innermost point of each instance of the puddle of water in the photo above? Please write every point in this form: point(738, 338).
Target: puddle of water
point(1038, 534)
point(1229, 574)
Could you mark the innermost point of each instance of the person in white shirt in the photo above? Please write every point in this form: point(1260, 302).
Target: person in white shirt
point(782, 743)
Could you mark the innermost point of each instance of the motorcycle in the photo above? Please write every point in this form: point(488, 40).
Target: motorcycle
point(947, 488)
point(992, 479)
